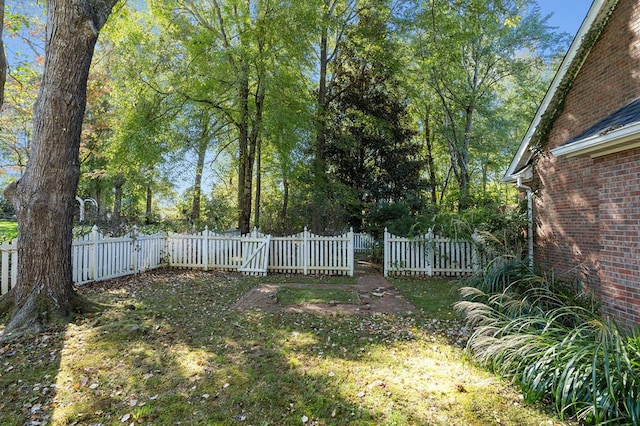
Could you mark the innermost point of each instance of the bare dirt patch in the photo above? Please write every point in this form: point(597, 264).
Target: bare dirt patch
point(374, 293)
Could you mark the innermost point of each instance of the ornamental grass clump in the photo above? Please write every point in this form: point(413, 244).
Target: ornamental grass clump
point(535, 332)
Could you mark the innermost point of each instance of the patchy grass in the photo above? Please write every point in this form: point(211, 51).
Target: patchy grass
point(8, 230)
point(434, 296)
point(168, 349)
point(298, 296)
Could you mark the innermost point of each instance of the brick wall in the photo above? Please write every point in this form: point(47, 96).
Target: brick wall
point(619, 213)
point(587, 212)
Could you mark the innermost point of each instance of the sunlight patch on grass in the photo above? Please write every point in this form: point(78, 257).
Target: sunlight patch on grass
point(8, 230)
point(169, 347)
point(434, 296)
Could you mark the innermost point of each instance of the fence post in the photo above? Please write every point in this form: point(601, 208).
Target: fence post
point(385, 255)
point(430, 245)
point(134, 251)
point(94, 253)
point(305, 251)
point(205, 248)
point(350, 251)
point(475, 255)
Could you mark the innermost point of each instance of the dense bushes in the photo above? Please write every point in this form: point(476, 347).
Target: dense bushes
point(551, 341)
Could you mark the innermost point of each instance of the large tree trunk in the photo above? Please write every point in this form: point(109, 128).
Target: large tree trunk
point(256, 218)
point(197, 184)
point(245, 166)
point(430, 162)
point(148, 206)
point(117, 198)
point(318, 206)
point(44, 196)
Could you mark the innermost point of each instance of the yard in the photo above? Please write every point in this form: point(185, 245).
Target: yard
point(168, 348)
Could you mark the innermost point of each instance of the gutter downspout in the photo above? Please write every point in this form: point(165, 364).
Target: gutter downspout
point(520, 185)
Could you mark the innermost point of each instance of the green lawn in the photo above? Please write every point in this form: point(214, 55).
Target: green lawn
point(8, 230)
point(297, 296)
point(169, 349)
point(434, 296)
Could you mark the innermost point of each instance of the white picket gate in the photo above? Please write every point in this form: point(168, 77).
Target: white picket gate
point(256, 253)
point(430, 255)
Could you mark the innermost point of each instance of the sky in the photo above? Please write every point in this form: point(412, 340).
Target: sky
point(567, 14)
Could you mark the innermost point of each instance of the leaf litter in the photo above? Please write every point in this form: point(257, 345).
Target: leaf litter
point(168, 345)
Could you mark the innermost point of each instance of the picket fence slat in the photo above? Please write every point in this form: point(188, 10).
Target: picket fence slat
point(430, 255)
point(97, 257)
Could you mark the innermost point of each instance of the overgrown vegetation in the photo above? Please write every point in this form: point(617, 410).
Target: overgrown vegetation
point(168, 347)
point(549, 339)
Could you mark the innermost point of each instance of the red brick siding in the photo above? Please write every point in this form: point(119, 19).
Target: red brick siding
point(585, 210)
point(620, 234)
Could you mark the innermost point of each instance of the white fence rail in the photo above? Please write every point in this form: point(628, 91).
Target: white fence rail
point(431, 255)
point(96, 257)
point(256, 253)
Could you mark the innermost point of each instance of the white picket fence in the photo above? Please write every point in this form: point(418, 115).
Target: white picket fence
point(363, 242)
point(431, 255)
point(256, 253)
point(96, 257)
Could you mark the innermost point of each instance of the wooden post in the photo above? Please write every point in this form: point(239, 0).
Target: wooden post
point(205, 248)
point(475, 254)
point(350, 253)
point(305, 251)
point(93, 263)
point(385, 257)
point(430, 243)
point(134, 249)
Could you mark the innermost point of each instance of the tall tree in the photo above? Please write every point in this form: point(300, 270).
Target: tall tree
point(44, 196)
point(370, 148)
point(472, 50)
point(336, 17)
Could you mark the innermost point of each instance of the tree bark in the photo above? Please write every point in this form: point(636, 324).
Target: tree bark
point(256, 216)
point(44, 196)
point(318, 219)
point(430, 162)
point(117, 198)
point(197, 185)
point(148, 206)
point(245, 166)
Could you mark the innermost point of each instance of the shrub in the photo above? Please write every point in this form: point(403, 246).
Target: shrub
point(551, 342)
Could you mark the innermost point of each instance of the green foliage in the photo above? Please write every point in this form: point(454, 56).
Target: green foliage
point(397, 218)
point(6, 209)
point(551, 341)
point(370, 146)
